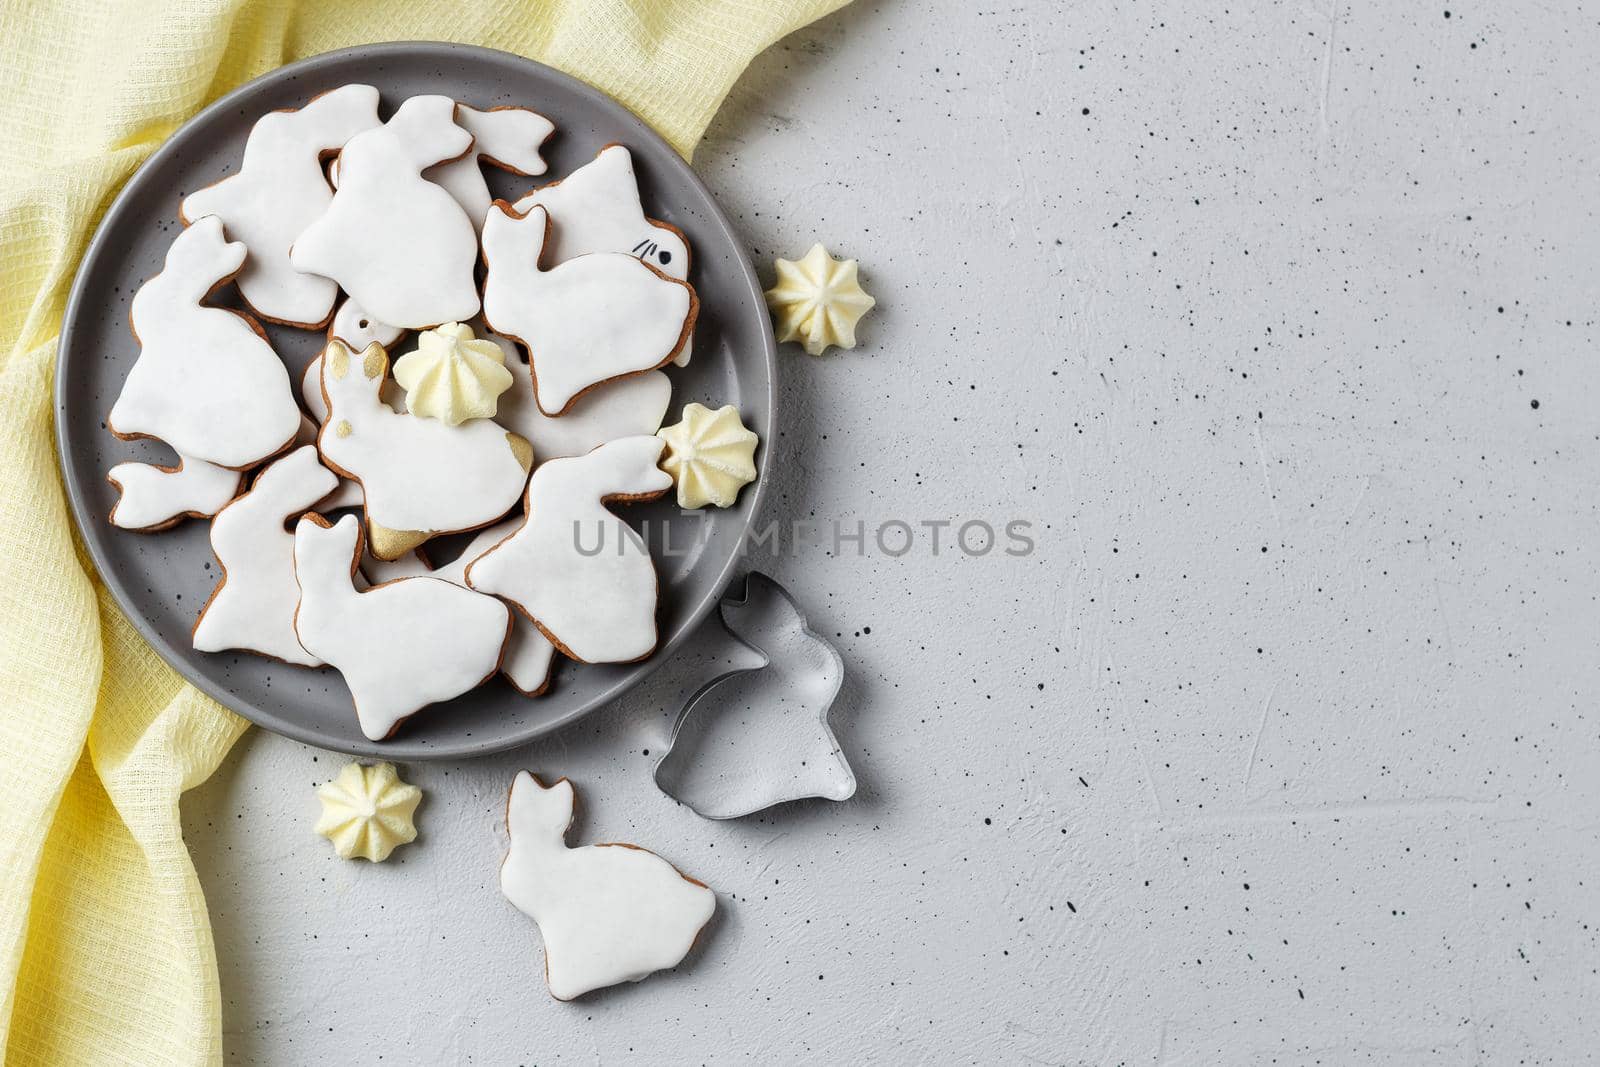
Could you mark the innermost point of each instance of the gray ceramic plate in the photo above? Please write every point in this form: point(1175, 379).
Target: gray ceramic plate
point(162, 580)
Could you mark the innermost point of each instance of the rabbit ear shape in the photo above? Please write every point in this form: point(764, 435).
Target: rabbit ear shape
point(518, 239)
point(200, 257)
point(325, 555)
point(352, 382)
point(627, 466)
point(425, 130)
point(546, 810)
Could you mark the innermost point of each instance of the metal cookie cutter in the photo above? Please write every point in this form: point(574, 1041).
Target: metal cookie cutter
point(759, 736)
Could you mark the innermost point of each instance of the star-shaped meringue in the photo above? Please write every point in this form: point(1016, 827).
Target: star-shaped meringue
point(452, 377)
point(710, 455)
point(818, 301)
point(367, 810)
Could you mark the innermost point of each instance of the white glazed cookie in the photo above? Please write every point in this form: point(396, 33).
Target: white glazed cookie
point(607, 913)
point(153, 497)
point(253, 606)
point(597, 208)
point(278, 191)
point(505, 137)
point(584, 322)
point(420, 477)
point(529, 654)
point(396, 242)
point(206, 381)
point(582, 574)
point(623, 408)
point(348, 493)
point(400, 646)
point(352, 325)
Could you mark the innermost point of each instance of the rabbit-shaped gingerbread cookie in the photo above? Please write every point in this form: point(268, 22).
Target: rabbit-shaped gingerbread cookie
point(401, 645)
point(580, 573)
point(277, 192)
point(253, 606)
point(529, 654)
point(590, 320)
point(397, 243)
point(420, 477)
point(607, 913)
point(597, 208)
point(206, 381)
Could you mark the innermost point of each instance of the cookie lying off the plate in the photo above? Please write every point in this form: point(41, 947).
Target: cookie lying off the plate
point(608, 913)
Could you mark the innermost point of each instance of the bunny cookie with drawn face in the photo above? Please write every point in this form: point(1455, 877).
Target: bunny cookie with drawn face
point(206, 380)
point(587, 321)
point(607, 913)
point(400, 646)
point(420, 477)
point(397, 243)
point(253, 606)
point(597, 208)
point(582, 574)
point(278, 191)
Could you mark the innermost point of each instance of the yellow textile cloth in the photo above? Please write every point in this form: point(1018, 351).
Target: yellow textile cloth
point(105, 946)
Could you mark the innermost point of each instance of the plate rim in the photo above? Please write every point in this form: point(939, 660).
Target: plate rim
point(84, 517)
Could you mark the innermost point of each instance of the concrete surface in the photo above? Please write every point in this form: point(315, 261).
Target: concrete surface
point(1278, 322)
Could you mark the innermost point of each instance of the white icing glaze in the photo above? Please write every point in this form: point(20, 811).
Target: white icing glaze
point(347, 495)
point(278, 191)
point(626, 407)
point(607, 913)
point(582, 574)
point(206, 382)
point(400, 646)
point(311, 391)
point(589, 320)
point(253, 606)
point(153, 498)
point(529, 654)
point(597, 208)
point(397, 243)
point(419, 475)
point(352, 325)
point(504, 137)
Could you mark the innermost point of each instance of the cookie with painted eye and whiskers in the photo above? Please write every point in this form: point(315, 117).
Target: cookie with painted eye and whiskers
point(593, 319)
point(597, 208)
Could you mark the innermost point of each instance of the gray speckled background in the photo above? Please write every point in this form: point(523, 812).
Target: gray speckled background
point(1279, 322)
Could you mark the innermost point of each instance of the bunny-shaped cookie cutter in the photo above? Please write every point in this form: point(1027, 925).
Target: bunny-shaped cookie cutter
point(758, 736)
